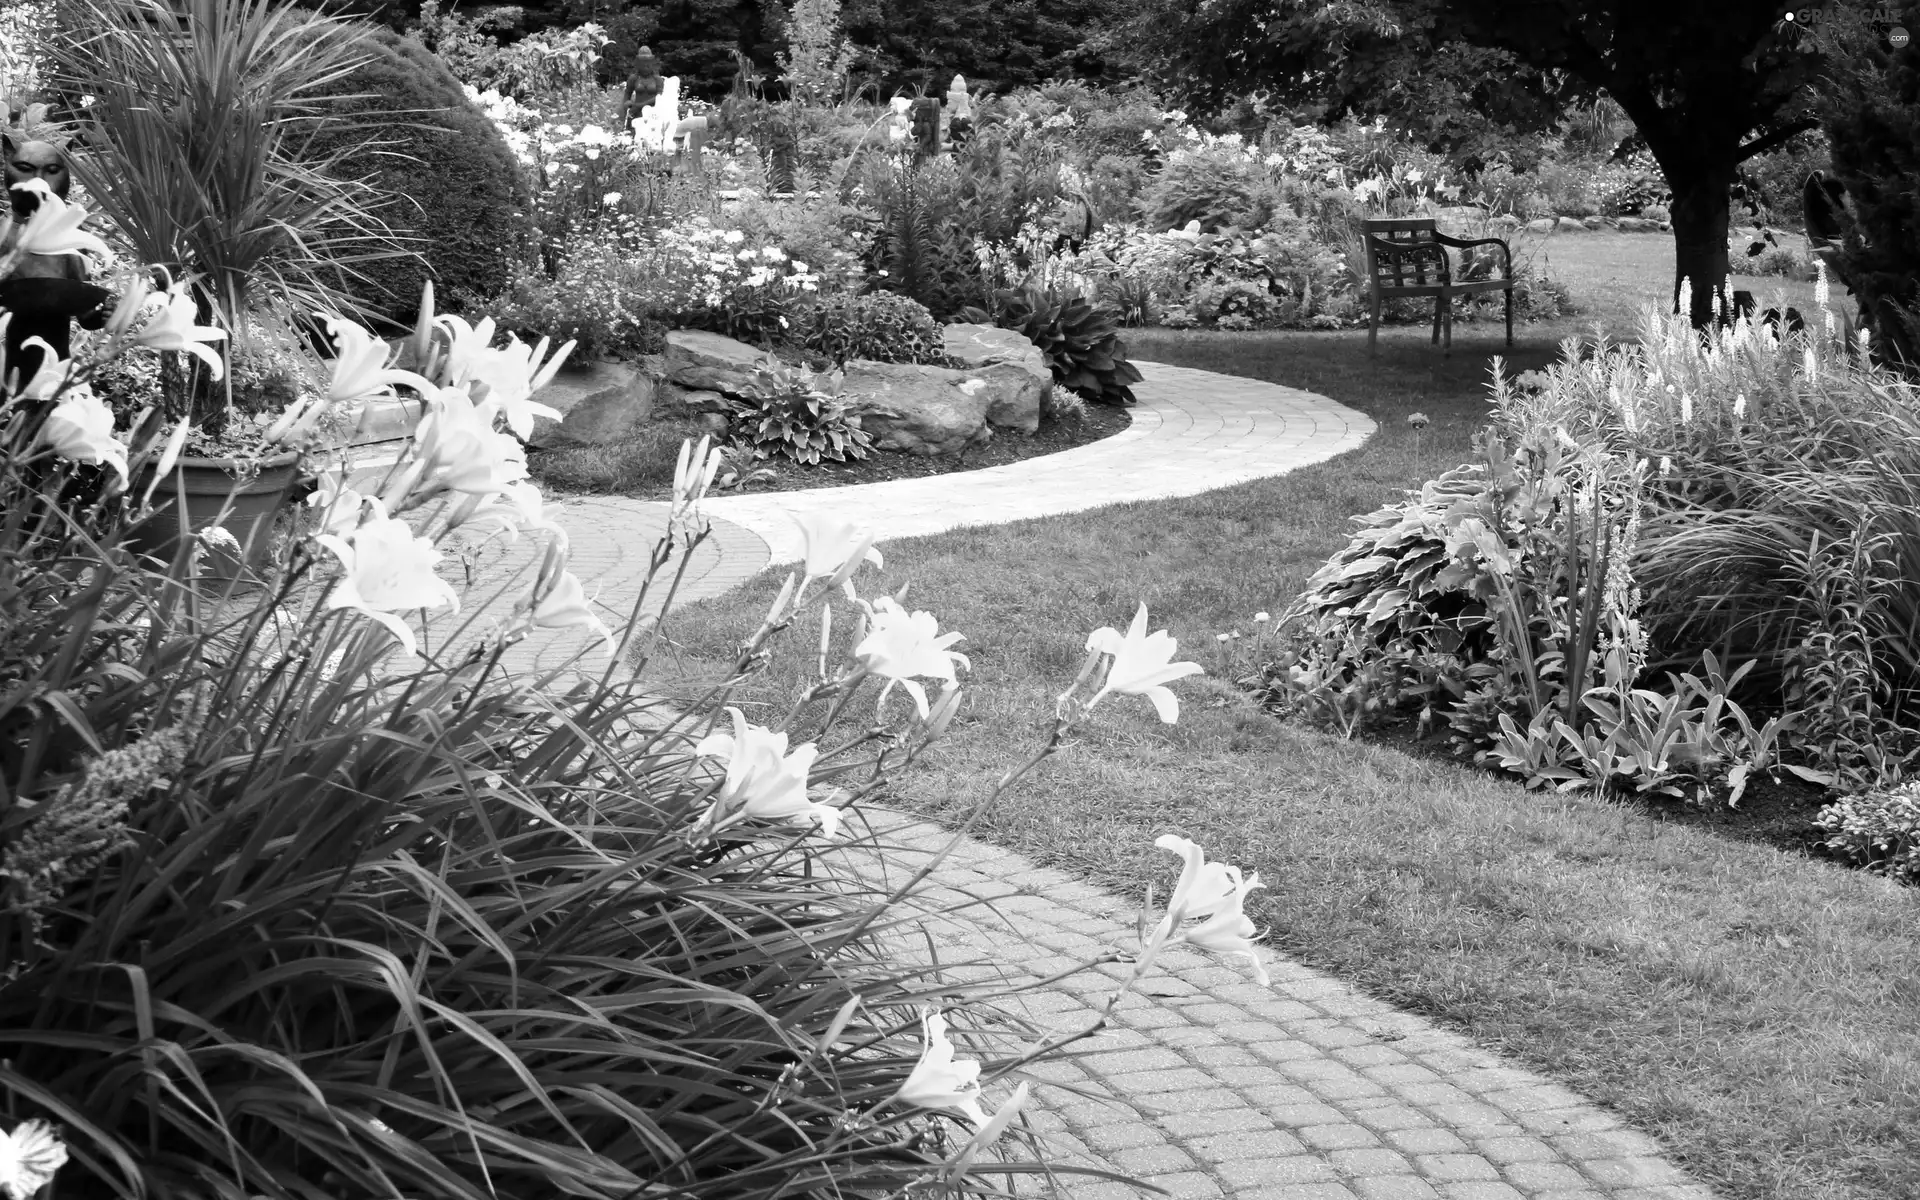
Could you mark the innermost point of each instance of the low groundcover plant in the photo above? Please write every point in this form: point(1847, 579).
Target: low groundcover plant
point(304, 893)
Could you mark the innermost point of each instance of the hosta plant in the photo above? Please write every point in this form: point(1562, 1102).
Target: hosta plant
point(797, 414)
point(1081, 339)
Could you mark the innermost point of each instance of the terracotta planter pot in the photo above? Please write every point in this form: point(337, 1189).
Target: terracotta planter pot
point(217, 493)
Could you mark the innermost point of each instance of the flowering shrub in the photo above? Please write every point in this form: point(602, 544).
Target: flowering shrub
point(1217, 183)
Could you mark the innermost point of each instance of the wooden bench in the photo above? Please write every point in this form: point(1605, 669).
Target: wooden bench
point(1407, 256)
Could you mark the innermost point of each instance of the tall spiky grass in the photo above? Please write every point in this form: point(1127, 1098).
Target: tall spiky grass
point(195, 144)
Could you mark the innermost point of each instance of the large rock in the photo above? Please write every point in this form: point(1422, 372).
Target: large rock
point(915, 409)
point(698, 348)
point(1018, 379)
point(1541, 225)
point(605, 403)
point(1570, 225)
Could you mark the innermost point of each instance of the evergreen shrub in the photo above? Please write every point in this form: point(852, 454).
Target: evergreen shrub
point(454, 186)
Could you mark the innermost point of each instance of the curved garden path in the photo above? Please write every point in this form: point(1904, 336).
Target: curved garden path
point(1211, 1085)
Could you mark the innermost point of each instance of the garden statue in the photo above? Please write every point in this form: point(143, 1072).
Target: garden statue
point(923, 122)
point(643, 86)
point(959, 111)
point(44, 292)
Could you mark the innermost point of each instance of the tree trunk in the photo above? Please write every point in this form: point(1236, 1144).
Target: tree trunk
point(1702, 216)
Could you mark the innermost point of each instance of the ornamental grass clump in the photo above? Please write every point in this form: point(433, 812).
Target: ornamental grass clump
point(308, 892)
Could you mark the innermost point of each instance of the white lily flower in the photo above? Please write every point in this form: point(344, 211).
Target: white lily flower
point(29, 1157)
point(939, 1082)
point(1142, 665)
point(1203, 886)
point(80, 429)
point(565, 606)
point(386, 570)
point(1229, 930)
point(50, 375)
point(764, 781)
point(462, 450)
point(360, 367)
point(171, 327)
point(54, 227)
point(900, 645)
point(509, 376)
point(835, 549)
point(339, 505)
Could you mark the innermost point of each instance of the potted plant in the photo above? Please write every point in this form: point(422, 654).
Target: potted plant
point(196, 134)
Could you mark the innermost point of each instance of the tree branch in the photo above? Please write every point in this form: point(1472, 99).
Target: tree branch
point(1774, 140)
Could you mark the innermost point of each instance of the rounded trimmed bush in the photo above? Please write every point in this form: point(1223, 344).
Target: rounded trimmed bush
point(881, 326)
point(452, 182)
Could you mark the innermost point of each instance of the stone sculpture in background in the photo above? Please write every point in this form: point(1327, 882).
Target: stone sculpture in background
point(643, 86)
point(959, 111)
point(899, 129)
point(45, 293)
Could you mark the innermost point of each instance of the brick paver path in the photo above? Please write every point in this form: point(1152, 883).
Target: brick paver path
point(1209, 1085)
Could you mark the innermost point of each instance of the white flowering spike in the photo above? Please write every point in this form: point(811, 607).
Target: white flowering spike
point(80, 429)
point(565, 606)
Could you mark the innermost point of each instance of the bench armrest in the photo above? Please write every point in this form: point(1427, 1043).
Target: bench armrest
point(1506, 252)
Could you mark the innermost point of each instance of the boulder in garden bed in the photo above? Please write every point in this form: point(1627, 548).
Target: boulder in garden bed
point(916, 409)
point(603, 404)
point(1015, 370)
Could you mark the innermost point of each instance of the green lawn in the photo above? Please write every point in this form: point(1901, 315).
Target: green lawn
point(1758, 1012)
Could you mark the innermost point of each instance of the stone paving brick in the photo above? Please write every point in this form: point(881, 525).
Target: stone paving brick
point(1515, 1149)
point(1257, 1172)
point(1392, 1117)
point(1491, 1189)
point(1451, 1167)
point(1464, 1114)
point(1147, 1160)
point(1340, 1136)
point(1404, 1187)
point(1543, 1176)
point(1252, 1143)
point(1568, 1120)
point(1612, 1143)
point(1188, 1185)
point(1633, 1172)
point(1369, 1161)
point(1124, 1135)
point(1214, 1121)
point(1425, 1141)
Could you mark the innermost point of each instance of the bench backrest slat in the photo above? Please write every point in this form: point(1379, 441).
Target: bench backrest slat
point(1423, 261)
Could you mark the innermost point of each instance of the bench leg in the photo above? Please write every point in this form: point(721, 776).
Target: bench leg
point(1436, 320)
point(1448, 342)
point(1509, 317)
point(1373, 325)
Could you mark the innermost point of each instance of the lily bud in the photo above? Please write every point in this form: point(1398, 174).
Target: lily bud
point(826, 636)
point(943, 711)
point(778, 611)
